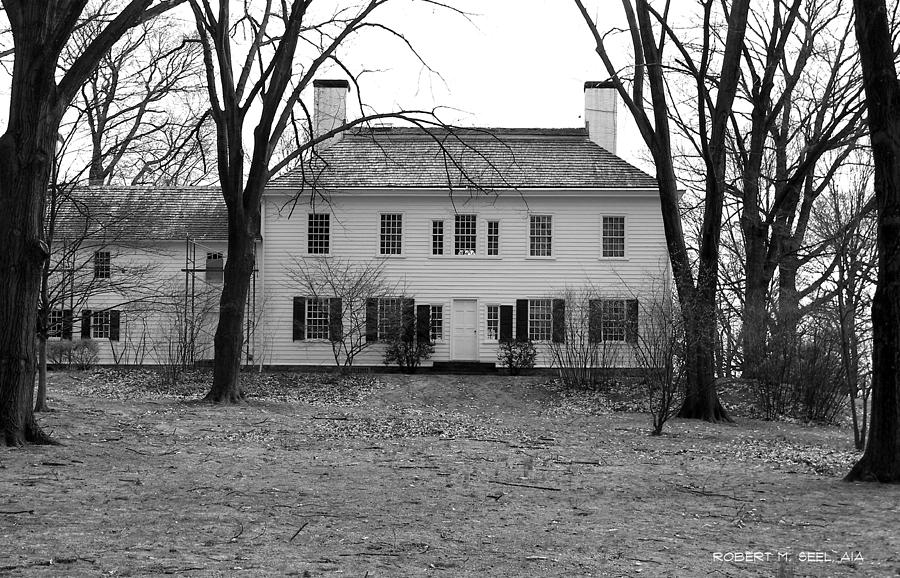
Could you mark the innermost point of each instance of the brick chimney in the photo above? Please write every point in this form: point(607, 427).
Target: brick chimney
point(330, 105)
point(600, 113)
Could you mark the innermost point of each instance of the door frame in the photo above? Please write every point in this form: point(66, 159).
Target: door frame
point(453, 355)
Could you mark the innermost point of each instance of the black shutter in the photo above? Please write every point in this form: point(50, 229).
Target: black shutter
point(423, 323)
point(506, 324)
point(299, 326)
point(114, 325)
point(335, 319)
point(595, 321)
point(371, 319)
point(559, 321)
point(522, 319)
point(408, 320)
point(86, 324)
point(631, 320)
point(67, 324)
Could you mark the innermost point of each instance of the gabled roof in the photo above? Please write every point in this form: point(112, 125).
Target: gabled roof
point(398, 157)
point(115, 214)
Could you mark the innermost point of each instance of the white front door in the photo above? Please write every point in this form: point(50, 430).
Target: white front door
point(465, 330)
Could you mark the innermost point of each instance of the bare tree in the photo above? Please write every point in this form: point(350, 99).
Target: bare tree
point(881, 460)
point(39, 98)
point(347, 286)
point(265, 77)
point(714, 74)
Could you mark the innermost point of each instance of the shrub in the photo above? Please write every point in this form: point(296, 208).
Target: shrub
point(516, 355)
point(79, 354)
point(406, 354)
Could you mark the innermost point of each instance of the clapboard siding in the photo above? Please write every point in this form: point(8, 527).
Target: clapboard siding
point(145, 300)
point(576, 259)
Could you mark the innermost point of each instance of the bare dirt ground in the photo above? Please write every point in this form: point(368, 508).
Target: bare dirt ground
point(425, 476)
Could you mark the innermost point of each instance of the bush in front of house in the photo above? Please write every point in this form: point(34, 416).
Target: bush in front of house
point(407, 354)
point(516, 355)
point(81, 354)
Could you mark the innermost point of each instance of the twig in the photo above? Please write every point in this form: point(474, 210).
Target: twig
point(241, 531)
point(300, 529)
point(335, 418)
point(549, 489)
point(14, 512)
point(710, 494)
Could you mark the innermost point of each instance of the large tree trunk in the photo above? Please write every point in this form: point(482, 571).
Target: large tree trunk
point(229, 339)
point(27, 150)
point(881, 460)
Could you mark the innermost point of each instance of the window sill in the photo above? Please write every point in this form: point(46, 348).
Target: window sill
point(612, 258)
point(398, 256)
point(540, 258)
point(465, 257)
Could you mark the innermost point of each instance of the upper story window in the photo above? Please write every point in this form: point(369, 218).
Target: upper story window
point(318, 234)
point(465, 235)
point(215, 267)
point(540, 237)
point(613, 236)
point(437, 237)
point(493, 238)
point(540, 319)
point(102, 264)
point(317, 318)
point(436, 323)
point(391, 234)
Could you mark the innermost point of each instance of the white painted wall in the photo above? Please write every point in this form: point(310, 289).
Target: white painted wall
point(437, 280)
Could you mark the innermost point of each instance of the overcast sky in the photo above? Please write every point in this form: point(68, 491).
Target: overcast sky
point(513, 63)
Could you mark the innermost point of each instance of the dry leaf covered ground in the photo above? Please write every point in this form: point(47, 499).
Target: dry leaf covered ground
point(394, 475)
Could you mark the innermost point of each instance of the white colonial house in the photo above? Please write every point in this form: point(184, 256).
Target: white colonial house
point(485, 234)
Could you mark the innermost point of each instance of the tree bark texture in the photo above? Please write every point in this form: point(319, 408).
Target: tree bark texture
point(881, 460)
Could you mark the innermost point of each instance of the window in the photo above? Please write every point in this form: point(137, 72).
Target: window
point(437, 237)
point(100, 324)
point(613, 236)
point(493, 238)
point(102, 261)
point(540, 319)
point(612, 322)
point(318, 233)
point(215, 267)
point(55, 321)
point(465, 242)
point(493, 322)
point(436, 323)
point(388, 317)
point(391, 234)
point(540, 236)
point(317, 319)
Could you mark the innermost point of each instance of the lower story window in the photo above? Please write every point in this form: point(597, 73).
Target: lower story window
point(613, 320)
point(493, 322)
point(55, 323)
point(540, 319)
point(100, 324)
point(388, 317)
point(436, 323)
point(317, 321)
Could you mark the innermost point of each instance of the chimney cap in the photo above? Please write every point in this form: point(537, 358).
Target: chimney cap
point(599, 84)
point(331, 83)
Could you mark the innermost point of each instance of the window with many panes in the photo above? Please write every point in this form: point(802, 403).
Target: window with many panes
point(437, 237)
point(613, 236)
point(436, 323)
point(541, 236)
point(465, 235)
point(493, 238)
point(318, 234)
point(102, 264)
point(215, 267)
point(55, 323)
point(540, 319)
point(100, 323)
point(389, 317)
point(493, 322)
point(391, 234)
point(317, 321)
point(613, 320)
